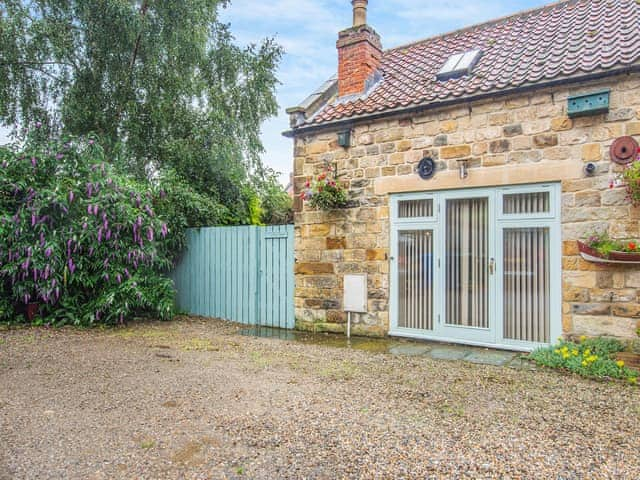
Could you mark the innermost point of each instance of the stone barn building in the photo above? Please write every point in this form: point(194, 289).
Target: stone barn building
point(475, 161)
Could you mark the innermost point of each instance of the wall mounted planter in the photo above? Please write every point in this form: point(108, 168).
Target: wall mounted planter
point(592, 255)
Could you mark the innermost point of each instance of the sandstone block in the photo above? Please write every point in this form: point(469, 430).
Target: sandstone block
point(592, 152)
point(448, 126)
point(593, 326)
point(561, 123)
point(512, 130)
point(313, 268)
point(457, 151)
point(499, 146)
point(545, 140)
point(376, 254)
point(336, 243)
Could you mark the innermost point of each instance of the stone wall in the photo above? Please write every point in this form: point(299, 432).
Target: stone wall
point(509, 140)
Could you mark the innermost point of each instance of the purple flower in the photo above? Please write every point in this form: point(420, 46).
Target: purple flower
point(90, 209)
point(38, 124)
point(119, 278)
point(72, 267)
point(34, 161)
point(47, 252)
point(33, 219)
point(126, 272)
point(150, 234)
point(95, 209)
point(84, 226)
point(106, 277)
point(92, 141)
point(89, 189)
point(59, 156)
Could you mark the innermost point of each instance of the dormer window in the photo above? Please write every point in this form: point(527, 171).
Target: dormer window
point(459, 64)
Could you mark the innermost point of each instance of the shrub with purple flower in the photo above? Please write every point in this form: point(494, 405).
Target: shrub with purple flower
point(77, 238)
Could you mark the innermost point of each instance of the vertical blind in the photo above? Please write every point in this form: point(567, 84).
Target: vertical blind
point(526, 300)
point(467, 262)
point(415, 208)
point(415, 276)
point(523, 203)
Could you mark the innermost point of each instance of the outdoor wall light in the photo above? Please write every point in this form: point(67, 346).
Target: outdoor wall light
point(463, 166)
point(344, 138)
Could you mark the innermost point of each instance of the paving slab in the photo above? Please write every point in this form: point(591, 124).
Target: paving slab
point(449, 353)
point(410, 350)
point(490, 357)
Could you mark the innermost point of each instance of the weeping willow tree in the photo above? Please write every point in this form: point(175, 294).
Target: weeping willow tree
point(160, 81)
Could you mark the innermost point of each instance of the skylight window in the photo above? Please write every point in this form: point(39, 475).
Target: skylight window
point(459, 64)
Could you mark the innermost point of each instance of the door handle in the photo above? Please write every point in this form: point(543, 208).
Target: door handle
point(492, 266)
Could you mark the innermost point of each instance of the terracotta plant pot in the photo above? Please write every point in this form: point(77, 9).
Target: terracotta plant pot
point(31, 310)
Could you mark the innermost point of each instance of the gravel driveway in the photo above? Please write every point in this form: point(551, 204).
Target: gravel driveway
point(192, 399)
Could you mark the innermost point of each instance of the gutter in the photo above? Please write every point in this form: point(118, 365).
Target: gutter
point(352, 121)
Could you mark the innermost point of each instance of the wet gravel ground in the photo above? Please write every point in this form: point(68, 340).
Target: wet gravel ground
point(192, 399)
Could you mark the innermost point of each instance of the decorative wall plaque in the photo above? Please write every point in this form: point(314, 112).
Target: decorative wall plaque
point(426, 168)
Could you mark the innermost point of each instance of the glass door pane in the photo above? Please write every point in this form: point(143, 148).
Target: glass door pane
point(467, 262)
point(526, 280)
point(415, 279)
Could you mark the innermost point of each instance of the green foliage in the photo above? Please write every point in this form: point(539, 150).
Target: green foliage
point(605, 245)
point(277, 205)
point(593, 358)
point(162, 83)
point(325, 192)
point(78, 238)
point(631, 176)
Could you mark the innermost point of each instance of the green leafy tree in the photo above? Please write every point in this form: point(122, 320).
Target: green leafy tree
point(160, 82)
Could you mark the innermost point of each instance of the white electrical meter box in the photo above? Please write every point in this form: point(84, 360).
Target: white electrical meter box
point(355, 293)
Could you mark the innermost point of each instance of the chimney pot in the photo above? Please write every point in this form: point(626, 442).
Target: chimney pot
point(359, 12)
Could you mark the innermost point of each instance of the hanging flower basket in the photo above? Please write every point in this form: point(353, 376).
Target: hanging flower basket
point(592, 254)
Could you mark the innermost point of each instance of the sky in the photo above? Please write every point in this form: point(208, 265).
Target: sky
point(308, 30)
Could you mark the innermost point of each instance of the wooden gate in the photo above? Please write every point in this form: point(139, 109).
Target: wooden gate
point(243, 274)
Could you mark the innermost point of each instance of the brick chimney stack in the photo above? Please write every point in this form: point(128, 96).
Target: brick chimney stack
point(359, 53)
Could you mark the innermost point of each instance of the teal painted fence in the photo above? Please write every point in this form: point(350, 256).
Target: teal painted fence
point(244, 274)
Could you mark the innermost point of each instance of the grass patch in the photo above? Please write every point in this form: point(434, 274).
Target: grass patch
point(199, 345)
point(147, 444)
point(591, 358)
point(339, 371)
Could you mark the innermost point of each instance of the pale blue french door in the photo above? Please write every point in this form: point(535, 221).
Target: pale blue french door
point(477, 266)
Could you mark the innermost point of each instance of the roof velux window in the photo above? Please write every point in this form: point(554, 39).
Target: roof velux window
point(459, 64)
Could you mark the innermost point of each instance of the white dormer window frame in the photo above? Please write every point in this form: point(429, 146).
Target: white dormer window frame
point(459, 64)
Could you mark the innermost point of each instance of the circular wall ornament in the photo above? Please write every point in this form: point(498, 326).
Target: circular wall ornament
point(426, 168)
point(624, 150)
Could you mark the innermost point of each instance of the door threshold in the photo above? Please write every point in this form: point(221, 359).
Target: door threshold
point(457, 341)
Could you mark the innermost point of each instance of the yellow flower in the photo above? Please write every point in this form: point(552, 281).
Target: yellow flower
point(592, 358)
point(574, 352)
point(557, 350)
point(620, 363)
point(587, 352)
point(584, 363)
point(582, 338)
point(565, 355)
point(633, 380)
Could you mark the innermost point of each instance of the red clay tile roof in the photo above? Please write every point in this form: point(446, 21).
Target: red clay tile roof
point(569, 39)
